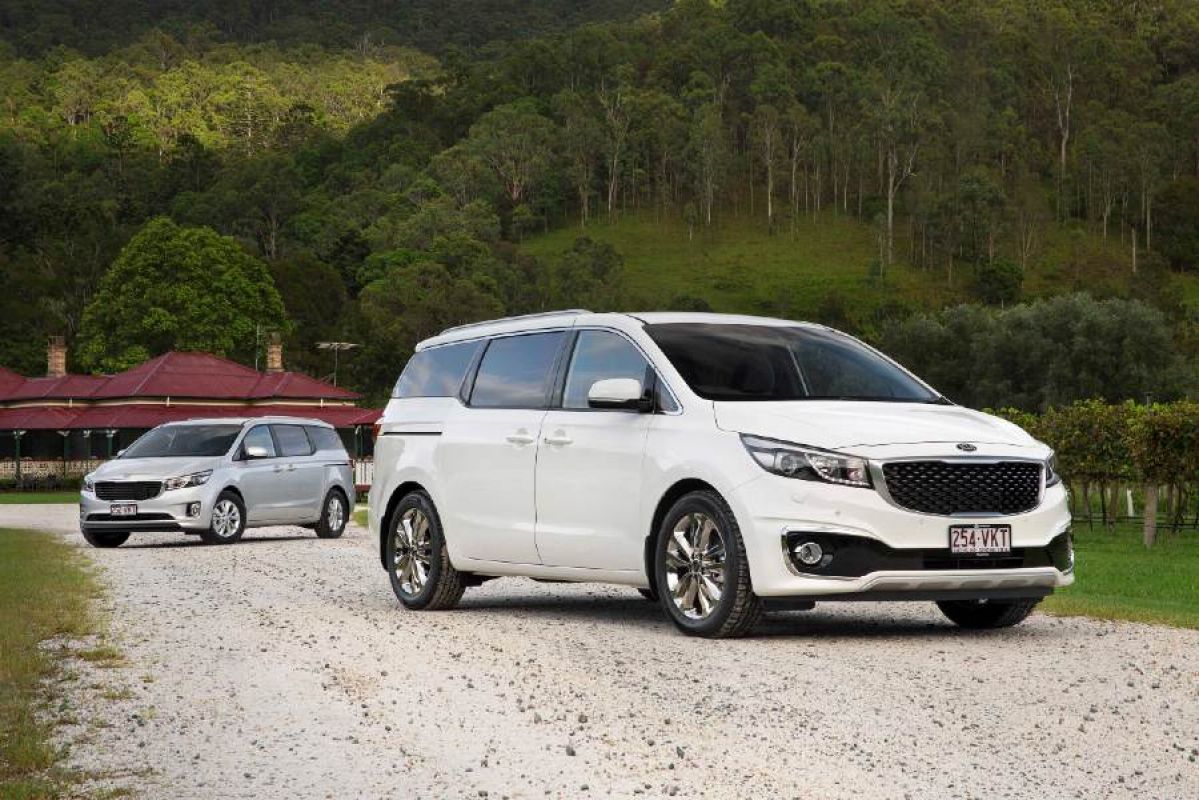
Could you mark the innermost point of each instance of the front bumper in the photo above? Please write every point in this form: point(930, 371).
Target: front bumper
point(169, 511)
point(892, 553)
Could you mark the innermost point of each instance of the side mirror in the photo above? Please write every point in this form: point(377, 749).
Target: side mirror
point(255, 451)
point(618, 393)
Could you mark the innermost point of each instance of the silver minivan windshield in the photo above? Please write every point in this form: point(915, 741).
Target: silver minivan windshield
point(170, 441)
point(771, 363)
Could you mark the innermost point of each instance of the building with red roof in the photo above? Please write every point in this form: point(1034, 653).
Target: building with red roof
point(60, 423)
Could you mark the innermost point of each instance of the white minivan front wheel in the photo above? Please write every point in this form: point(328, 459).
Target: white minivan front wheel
point(701, 571)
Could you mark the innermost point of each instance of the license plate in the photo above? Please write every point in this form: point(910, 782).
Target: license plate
point(980, 539)
point(123, 509)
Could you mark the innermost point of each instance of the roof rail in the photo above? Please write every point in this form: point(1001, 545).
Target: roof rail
point(572, 312)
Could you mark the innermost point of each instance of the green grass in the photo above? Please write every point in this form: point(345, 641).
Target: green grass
point(38, 498)
point(360, 517)
point(1117, 578)
point(821, 269)
point(45, 592)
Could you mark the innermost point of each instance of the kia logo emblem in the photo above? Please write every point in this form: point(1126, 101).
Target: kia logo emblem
point(966, 447)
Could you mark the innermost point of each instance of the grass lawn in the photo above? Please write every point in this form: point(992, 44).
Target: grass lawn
point(360, 517)
point(45, 592)
point(37, 498)
point(1117, 578)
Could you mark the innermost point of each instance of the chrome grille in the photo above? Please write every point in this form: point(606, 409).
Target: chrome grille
point(963, 487)
point(128, 490)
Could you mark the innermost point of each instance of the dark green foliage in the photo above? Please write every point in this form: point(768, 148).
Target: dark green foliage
point(178, 288)
point(998, 282)
point(315, 134)
point(1042, 354)
point(1178, 223)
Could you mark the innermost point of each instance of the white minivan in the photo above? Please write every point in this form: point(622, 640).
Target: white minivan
point(720, 464)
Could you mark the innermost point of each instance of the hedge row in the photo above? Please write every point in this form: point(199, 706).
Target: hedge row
point(1105, 447)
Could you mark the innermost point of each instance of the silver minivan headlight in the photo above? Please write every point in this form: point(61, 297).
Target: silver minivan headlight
point(805, 463)
point(89, 482)
point(186, 481)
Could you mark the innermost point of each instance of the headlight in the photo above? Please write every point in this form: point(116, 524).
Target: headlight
point(89, 483)
point(793, 461)
point(1052, 476)
point(195, 479)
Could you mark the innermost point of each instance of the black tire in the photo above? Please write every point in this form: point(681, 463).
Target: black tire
point(217, 533)
point(105, 538)
point(332, 525)
point(442, 585)
point(987, 614)
point(738, 609)
point(650, 594)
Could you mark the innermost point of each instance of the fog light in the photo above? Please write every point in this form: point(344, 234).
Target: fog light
point(193, 509)
point(809, 554)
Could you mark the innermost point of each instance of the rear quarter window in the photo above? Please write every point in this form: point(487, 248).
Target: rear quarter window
point(325, 439)
point(292, 440)
point(437, 371)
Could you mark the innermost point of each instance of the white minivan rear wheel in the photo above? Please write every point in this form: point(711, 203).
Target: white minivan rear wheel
point(422, 576)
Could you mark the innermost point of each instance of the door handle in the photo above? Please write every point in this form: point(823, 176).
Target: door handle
point(278, 468)
point(521, 437)
point(291, 467)
point(559, 438)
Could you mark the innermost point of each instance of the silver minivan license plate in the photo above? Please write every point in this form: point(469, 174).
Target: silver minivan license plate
point(980, 539)
point(123, 509)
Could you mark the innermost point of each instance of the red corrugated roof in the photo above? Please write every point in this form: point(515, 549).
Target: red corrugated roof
point(66, 387)
point(207, 376)
point(190, 375)
point(180, 377)
point(149, 415)
point(36, 419)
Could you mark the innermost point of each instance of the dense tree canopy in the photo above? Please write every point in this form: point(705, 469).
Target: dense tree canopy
point(176, 288)
point(367, 151)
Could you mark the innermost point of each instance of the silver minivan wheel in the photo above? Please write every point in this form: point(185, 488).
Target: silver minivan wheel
point(333, 515)
point(228, 520)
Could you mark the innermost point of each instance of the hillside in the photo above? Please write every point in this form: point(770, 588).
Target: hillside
point(823, 269)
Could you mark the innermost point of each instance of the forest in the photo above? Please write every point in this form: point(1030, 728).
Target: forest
point(1011, 188)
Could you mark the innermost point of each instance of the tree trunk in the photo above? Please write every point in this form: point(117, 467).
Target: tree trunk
point(1150, 529)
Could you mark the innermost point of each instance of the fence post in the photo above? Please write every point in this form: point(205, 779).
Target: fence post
point(1150, 530)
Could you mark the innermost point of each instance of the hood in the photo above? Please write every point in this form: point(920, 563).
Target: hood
point(145, 469)
point(840, 425)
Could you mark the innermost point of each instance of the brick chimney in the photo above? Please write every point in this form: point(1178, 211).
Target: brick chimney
point(56, 357)
point(274, 354)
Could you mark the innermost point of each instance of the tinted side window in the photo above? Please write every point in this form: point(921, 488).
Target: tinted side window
point(600, 355)
point(515, 371)
point(436, 372)
point(325, 439)
point(259, 436)
point(292, 440)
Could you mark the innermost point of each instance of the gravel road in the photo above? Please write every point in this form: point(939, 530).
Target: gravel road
point(284, 667)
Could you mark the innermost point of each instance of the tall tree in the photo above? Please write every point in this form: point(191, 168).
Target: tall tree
point(178, 288)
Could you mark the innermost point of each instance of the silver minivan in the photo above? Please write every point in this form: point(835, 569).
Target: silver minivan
point(217, 477)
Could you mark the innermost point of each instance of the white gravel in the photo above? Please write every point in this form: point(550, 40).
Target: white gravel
point(284, 667)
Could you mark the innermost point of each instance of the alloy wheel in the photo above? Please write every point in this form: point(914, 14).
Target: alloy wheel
point(413, 551)
point(335, 513)
point(695, 561)
point(226, 519)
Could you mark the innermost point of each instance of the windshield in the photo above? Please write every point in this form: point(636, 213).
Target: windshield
point(764, 362)
point(184, 440)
